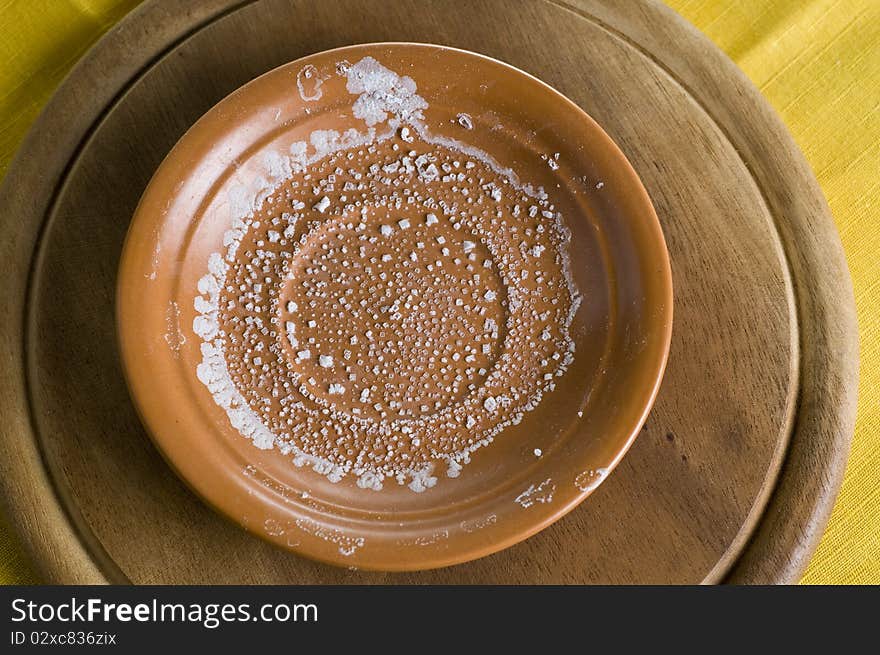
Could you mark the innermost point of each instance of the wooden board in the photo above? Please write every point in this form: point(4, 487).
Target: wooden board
point(733, 477)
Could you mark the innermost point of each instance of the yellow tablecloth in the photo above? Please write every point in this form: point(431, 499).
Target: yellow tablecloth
point(817, 61)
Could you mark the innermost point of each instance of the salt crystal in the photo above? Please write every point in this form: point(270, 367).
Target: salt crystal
point(322, 204)
point(465, 121)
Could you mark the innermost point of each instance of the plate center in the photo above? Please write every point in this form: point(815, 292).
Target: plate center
point(392, 314)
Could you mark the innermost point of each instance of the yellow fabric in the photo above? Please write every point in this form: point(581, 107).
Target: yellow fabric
point(817, 61)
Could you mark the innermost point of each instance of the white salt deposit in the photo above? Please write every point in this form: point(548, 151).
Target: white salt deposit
point(308, 82)
point(541, 493)
point(465, 121)
point(459, 344)
point(590, 479)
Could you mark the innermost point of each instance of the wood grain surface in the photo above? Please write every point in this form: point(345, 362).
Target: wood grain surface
point(737, 469)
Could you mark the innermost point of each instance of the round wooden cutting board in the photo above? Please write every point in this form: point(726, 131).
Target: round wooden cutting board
point(735, 473)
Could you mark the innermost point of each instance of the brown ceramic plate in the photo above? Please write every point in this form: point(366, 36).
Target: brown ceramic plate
point(394, 306)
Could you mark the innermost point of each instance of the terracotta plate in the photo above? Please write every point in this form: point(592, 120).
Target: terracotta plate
point(394, 306)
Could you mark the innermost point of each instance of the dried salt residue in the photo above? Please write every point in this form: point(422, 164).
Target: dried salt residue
point(382, 92)
point(425, 540)
point(347, 545)
point(478, 524)
point(273, 528)
point(157, 252)
point(552, 160)
point(174, 335)
point(541, 493)
point(590, 479)
point(387, 300)
point(308, 82)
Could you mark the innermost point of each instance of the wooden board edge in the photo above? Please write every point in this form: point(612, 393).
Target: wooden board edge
point(55, 538)
point(798, 509)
